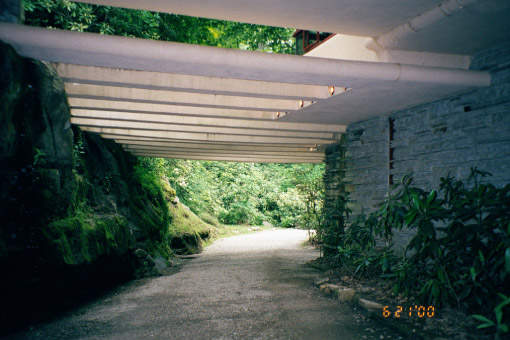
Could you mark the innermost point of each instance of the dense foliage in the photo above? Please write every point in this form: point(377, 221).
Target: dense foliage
point(459, 256)
point(82, 17)
point(286, 195)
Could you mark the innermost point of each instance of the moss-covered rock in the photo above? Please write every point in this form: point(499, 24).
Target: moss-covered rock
point(83, 239)
point(73, 206)
point(169, 193)
point(187, 230)
point(64, 186)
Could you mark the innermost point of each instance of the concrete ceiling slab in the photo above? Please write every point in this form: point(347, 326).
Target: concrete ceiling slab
point(175, 100)
point(479, 25)
point(472, 29)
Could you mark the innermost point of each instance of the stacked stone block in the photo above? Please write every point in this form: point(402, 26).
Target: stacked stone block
point(430, 141)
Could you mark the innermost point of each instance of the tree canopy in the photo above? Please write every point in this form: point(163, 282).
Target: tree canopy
point(286, 195)
point(82, 17)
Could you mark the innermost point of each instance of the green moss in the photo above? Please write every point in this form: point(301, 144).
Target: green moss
point(115, 233)
point(148, 201)
point(184, 221)
point(168, 192)
point(82, 239)
point(57, 238)
point(47, 194)
point(88, 248)
point(209, 219)
point(187, 232)
point(152, 219)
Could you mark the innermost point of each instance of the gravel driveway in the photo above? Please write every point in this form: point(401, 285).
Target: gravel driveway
point(245, 287)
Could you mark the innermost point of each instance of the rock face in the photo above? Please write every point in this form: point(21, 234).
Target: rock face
point(73, 207)
point(36, 149)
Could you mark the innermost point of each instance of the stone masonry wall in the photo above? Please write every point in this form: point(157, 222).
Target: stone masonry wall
point(429, 141)
point(333, 174)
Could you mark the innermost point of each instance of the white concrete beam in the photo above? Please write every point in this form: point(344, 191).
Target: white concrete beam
point(206, 121)
point(129, 106)
point(189, 83)
point(187, 98)
point(200, 136)
point(210, 146)
point(159, 126)
point(169, 57)
point(424, 59)
point(206, 151)
point(121, 135)
point(227, 158)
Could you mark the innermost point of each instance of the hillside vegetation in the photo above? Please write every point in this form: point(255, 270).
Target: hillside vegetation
point(244, 193)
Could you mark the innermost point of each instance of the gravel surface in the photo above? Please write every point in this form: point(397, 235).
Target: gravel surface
point(254, 286)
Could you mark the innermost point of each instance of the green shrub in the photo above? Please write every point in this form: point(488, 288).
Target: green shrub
point(461, 250)
point(287, 222)
point(460, 254)
point(238, 213)
point(241, 213)
point(256, 218)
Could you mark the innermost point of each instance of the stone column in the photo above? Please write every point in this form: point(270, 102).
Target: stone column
point(334, 190)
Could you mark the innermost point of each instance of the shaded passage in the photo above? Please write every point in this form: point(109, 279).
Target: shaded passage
point(245, 287)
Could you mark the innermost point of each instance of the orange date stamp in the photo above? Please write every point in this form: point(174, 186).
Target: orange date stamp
point(409, 311)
